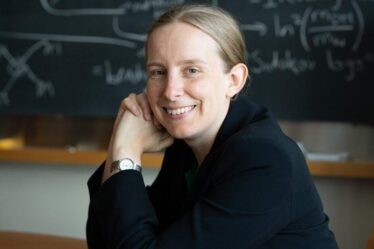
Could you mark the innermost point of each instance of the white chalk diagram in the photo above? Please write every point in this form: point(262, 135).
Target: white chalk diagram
point(17, 66)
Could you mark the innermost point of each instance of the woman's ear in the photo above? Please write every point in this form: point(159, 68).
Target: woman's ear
point(238, 76)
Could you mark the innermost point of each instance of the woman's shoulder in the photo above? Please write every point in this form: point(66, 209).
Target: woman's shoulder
point(254, 149)
point(258, 142)
point(257, 135)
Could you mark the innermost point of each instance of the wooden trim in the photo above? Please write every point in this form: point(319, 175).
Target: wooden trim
point(21, 240)
point(62, 156)
point(52, 156)
point(360, 170)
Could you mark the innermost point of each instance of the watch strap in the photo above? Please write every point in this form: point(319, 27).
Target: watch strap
point(130, 165)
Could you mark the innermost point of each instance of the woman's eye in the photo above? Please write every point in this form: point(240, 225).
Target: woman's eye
point(157, 73)
point(192, 70)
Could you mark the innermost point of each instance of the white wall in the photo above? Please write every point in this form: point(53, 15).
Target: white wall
point(46, 199)
point(350, 206)
point(54, 199)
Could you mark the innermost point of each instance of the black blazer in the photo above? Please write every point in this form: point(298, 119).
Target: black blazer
point(253, 190)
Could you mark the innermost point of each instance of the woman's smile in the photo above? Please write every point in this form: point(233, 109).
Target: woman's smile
point(180, 112)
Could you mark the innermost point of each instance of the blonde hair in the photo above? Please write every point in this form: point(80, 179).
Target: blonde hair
point(215, 22)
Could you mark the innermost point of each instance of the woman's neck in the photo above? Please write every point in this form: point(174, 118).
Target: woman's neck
point(201, 144)
point(201, 151)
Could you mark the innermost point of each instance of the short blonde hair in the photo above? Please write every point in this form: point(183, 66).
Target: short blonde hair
point(215, 22)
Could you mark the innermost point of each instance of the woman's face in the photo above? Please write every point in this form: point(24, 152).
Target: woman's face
point(187, 86)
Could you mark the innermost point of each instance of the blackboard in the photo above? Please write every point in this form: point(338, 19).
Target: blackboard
point(310, 60)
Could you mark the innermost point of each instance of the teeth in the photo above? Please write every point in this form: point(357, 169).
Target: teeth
point(179, 110)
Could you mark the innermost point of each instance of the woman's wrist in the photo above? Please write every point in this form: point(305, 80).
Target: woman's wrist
point(121, 152)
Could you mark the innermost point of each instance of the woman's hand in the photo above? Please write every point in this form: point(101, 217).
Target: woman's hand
point(137, 104)
point(134, 133)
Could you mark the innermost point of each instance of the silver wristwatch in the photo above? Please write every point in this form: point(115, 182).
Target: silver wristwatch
point(125, 164)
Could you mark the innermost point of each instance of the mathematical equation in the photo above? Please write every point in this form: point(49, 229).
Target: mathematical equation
point(334, 26)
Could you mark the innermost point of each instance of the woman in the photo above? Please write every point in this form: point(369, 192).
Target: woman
point(230, 178)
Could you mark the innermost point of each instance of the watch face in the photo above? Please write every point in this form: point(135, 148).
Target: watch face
point(126, 164)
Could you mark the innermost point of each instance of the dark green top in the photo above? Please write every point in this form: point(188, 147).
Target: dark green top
point(190, 178)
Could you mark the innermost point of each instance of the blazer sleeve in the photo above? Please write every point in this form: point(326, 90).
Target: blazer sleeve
point(247, 202)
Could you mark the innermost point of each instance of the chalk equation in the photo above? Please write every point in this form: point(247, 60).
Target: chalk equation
point(116, 76)
point(315, 27)
point(337, 25)
point(286, 61)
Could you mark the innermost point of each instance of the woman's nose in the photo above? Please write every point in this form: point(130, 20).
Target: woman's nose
point(174, 87)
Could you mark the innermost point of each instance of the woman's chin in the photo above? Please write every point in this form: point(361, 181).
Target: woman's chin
point(179, 133)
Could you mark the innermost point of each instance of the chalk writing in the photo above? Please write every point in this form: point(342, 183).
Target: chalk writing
point(17, 67)
point(316, 27)
point(256, 26)
point(270, 4)
point(126, 7)
point(104, 45)
point(68, 38)
point(349, 66)
point(282, 31)
point(280, 61)
point(133, 76)
point(333, 22)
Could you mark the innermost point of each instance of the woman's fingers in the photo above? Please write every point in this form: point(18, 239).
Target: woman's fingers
point(146, 109)
point(157, 123)
point(131, 104)
point(137, 104)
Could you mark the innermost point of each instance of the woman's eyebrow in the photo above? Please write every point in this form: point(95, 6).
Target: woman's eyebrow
point(192, 61)
point(182, 62)
point(154, 64)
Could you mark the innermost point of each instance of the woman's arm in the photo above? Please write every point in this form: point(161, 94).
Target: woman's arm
point(133, 135)
point(243, 207)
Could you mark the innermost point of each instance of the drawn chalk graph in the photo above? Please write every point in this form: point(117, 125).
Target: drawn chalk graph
point(316, 26)
point(18, 67)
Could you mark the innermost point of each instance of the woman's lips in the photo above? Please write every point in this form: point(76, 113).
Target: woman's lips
point(179, 110)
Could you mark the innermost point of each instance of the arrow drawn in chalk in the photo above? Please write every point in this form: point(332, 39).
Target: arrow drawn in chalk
point(256, 26)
